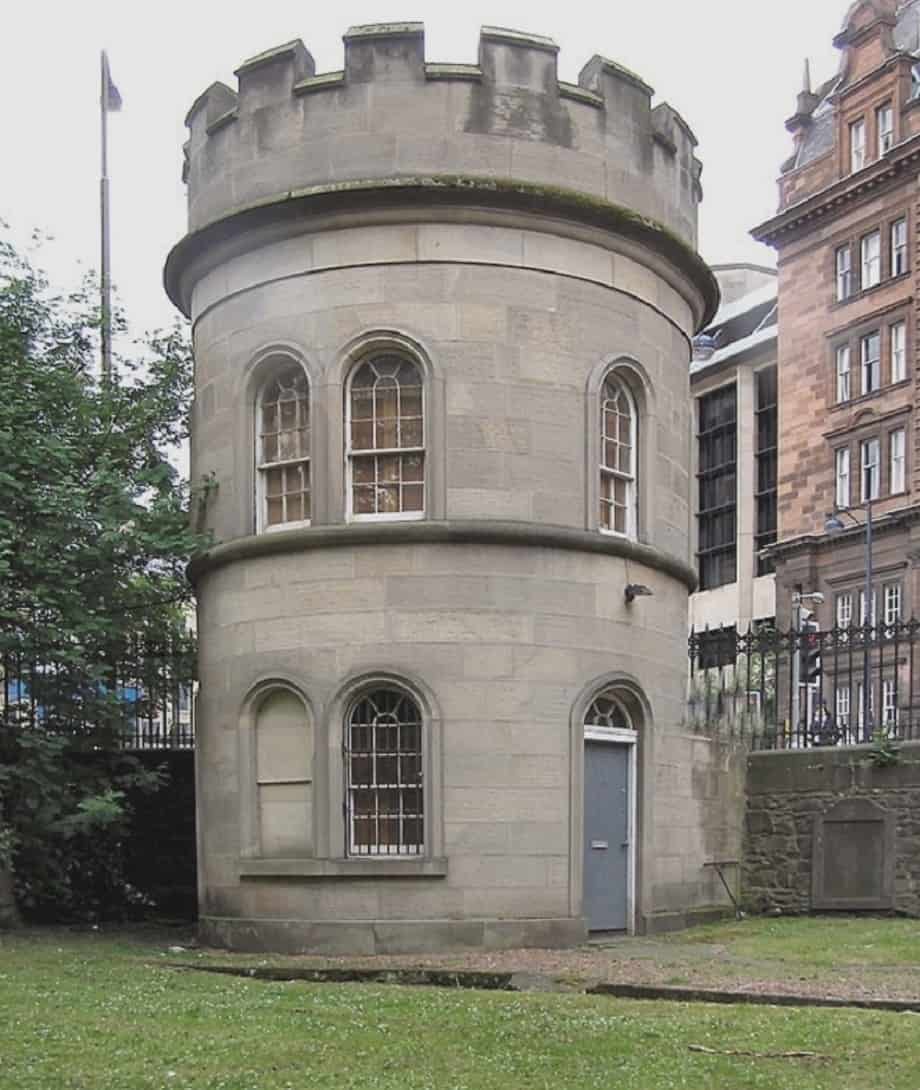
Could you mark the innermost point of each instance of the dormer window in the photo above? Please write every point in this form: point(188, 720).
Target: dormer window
point(884, 123)
point(857, 146)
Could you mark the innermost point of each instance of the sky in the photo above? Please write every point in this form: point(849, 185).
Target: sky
point(732, 68)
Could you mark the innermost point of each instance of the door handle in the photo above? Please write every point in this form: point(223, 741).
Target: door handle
point(600, 845)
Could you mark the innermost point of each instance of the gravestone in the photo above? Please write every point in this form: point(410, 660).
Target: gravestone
point(853, 858)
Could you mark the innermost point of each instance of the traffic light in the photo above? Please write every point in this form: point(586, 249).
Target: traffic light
point(809, 651)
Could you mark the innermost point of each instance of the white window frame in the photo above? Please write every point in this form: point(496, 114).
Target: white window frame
point(870, 256)
point(843, 374)
point(899, 246)
point(897, 347)
point(842, 477)
point(870, 469)
point(860, 717)
point(842, 707)
point(857, 145)
point(889, 702)
point(843, 267)
point(891, 597)
point(844, 609)
point(884, 122)
point(263, 468)
point(871, 365)
point(630, 477)
point(352, 455)
point(897, 478)
point(353, 850)
point(862, 608)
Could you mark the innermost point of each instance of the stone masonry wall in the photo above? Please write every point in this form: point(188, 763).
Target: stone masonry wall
point(787, 790)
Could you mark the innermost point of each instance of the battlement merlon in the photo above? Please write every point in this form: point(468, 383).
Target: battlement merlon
point(287, 126)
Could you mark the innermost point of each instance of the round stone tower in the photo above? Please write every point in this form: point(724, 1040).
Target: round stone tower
point(442, 319)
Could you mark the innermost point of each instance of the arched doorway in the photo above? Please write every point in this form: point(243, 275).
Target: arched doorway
point(608, 884)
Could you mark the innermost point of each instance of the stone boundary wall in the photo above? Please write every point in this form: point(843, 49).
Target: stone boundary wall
point(787, 790)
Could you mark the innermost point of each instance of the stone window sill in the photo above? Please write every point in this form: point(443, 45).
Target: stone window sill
point(343, 868)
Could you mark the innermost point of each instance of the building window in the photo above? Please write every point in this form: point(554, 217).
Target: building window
point(618, 458)
point(844, 610)
point(899, 247)
point(608, 713)
point(898, 334)
point(870, 249)
point(871, 354)
point(843, 373)
point(383, 768)
point(890, 702)
point(843, 708)
point(283, 462)
point(842, 478)
point(884, 120)
point(718, 452)
point(892, 603)
point(386, 439)
point(862, 608)
point(869, 458)
point(860, 706)
point(896, 476)
point(857, 146)
point(766, 468)
point(844, 271)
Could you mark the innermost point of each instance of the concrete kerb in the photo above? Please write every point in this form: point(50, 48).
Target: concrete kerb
point(539, 982)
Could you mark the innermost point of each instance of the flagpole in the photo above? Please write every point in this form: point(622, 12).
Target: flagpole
point(106, 286)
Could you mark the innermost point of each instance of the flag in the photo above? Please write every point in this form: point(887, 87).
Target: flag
point(111, 99)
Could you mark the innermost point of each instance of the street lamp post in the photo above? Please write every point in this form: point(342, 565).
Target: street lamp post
point(834, 525)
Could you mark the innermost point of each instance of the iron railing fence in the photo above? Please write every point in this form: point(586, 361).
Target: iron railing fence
point(138, 696)
point(795, 689)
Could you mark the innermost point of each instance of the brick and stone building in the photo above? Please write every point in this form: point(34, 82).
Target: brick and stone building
point(442, 322)
point(846, 237)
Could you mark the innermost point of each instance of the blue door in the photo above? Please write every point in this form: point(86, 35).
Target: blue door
point(607, 803)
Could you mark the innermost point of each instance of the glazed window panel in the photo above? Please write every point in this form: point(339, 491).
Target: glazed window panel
point(844, 273)
point(608, 713)
point(896, 453)
point(385, 784)
point(884, 120)
point(386, 438)
point(857, 146)
point(843, 373)
point(899, 247)
point(844, 610)
point(898, 343)
point(284, 449)
point(871, 355)
point(717, 442)
point(870, 450)
point(842, 477)
point(618, 459)
point(871, 256)
point(766, 455)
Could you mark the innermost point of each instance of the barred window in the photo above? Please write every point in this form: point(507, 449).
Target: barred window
point(283, 457)
point(383, 766)
point(386, 439)
point(607, 712)
point(618, 459)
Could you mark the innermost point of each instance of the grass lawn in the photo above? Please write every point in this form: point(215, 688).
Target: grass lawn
point(93, 1012)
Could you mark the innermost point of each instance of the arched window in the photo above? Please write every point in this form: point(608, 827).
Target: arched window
point(385, 800)
point(607, 712)
point(386, 439)
point(618, 498)
point(283, 455)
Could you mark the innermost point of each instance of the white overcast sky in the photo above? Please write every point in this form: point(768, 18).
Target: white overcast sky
point(731, 67)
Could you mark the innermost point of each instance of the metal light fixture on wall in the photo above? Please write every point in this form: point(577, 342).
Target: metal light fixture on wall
point(636, 590)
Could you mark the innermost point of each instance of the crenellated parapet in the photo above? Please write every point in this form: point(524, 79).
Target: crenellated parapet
point(389, 114)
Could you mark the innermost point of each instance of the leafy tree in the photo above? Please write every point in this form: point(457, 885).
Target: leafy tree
point(94, 538)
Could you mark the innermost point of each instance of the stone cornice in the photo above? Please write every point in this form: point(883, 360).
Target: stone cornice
point(844, 191)
point(449, 531)
point(881, 524)
point(297, 206)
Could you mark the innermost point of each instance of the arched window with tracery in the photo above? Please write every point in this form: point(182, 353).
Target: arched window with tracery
point(386, 439)
point(385, 798)
point(607, 712)
point(618, 431)
point(283, 454)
